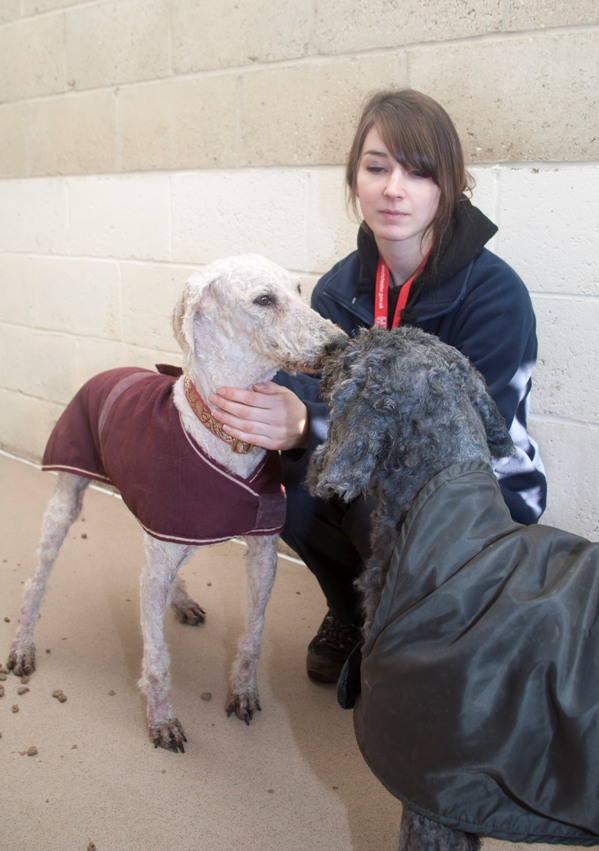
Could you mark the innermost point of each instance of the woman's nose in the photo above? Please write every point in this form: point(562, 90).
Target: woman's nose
point(395, 184)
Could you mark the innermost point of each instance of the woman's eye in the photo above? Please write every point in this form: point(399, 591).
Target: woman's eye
point(375, 169)
point(263, 300)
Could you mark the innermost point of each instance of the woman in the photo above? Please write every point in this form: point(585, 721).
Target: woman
point(420, 260)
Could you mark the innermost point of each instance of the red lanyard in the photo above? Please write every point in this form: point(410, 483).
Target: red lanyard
point(381, 295)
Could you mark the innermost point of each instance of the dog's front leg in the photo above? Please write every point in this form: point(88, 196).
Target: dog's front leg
point(162, 563)
point(261, 557)
point(62, 511)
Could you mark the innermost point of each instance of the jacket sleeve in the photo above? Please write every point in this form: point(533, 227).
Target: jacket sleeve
point(495, 328)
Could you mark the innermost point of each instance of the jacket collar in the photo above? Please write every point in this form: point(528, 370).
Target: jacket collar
point(468, 233)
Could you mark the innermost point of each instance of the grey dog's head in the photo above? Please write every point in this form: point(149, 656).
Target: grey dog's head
point(401, 403)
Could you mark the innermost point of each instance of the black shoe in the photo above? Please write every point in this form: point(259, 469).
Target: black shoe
point(329, 649)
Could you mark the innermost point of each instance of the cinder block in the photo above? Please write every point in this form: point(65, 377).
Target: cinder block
point(117, 42)
point(536, 14)
point(566, 384)
point(32, 58)
point(147, 358)
point(237, 34)
point(180, 123)
point(15, 144)
point(120, 217)
point(25, 423)
point(548, 226)
point(307, 114)
point(349, 25)
point(73, 134)
point(552, 116)
point(38, 363)
point(33, 216)
point(149, 294)
point(17, 301)
point(572, 464)
point(36, 7)
point(10, 10)
point(76, 296)
point(221, 213)
point(332, 226)
point(94, 356)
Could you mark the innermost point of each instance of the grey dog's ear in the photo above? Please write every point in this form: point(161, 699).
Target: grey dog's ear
point(344, 464)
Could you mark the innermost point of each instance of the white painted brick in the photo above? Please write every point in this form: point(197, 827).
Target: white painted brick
point(148, 358)
point(25, 423)
point(549, 218)
point(148, 298)
point(120, 217)
point(567, 374)
point(80, 297)
point(17, 301)
point(485, 196)
point(332, 227)
point(38, 363)
point(572, 463)
point(33, 216)
point(94, 356)
point(222, 213)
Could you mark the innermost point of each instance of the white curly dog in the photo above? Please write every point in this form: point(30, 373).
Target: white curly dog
point(152, 436)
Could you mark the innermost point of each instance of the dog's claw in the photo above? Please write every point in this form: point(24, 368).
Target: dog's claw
point(22, 662)
point(244, 706)
point(168, 735)
point(192, 614)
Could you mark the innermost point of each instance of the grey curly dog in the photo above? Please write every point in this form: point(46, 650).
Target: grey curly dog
point(477, 697)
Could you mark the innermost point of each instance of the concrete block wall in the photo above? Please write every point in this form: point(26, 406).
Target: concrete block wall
point(141, 139)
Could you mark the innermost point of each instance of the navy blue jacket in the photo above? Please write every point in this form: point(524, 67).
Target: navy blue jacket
point(472, 300)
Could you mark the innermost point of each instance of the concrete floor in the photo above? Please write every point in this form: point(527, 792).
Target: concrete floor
point(292, 780)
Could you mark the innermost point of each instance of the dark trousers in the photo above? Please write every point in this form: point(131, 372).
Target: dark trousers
point(332, 538)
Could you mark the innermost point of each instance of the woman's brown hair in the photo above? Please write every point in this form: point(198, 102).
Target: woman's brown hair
point(421, 136)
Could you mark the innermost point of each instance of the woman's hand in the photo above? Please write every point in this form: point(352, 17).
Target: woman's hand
point(269, 415)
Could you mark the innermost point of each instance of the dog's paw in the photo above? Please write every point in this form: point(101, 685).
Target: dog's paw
point(21, 660)
point(190, 613)
point(168, 734)
point(243, 704)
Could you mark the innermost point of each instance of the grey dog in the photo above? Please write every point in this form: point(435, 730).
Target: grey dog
point(479, 703)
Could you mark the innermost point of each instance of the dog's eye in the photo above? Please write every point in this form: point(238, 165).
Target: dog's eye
point(264, 300)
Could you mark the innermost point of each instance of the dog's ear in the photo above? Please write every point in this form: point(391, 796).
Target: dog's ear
point(498, 437)
point(344, 464)
point(190, 303)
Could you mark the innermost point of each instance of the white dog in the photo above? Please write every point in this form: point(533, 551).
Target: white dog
point(152, 436)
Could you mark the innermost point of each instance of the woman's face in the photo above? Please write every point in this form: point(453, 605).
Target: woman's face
point(397, 203)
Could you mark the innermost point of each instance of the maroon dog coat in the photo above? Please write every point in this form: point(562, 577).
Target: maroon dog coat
point(122, 427)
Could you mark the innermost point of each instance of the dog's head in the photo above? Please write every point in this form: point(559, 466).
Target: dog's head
point(401, 401)
point(254, 302)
